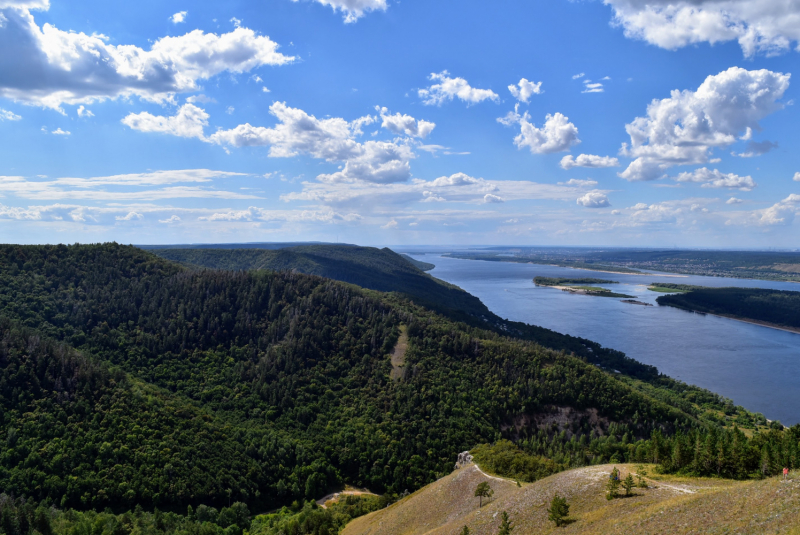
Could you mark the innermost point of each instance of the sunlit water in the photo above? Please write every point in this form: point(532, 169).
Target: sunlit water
point(757, 367)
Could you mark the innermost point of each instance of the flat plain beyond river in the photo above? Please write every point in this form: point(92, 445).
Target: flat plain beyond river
point(755, 366)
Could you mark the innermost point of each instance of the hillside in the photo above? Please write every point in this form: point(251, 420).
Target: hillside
point(295, 368)
point(670, 505)
point(386, 271)
point(376, 269)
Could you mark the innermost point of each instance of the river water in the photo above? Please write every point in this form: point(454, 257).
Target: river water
point(757, 367)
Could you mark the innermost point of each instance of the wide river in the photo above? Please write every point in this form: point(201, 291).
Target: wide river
point(757, 367)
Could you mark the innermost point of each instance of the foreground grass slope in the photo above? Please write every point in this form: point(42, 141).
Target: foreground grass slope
point(670, 505)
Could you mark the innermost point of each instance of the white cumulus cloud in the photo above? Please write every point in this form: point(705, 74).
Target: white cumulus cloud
point(49, 67)
point(781, 213)
point(332, 139)
point(797, 177)
point(354, 9)
point(173, 219)
point(734, 200)
point(525, 89)
point(178, 17)
point(717, 179)
point(556, 135)
point(405, 124)
point(131, 216)
point(759, 26)
point(449, 88)
point(687, 126)
point(188, 122)
point(491, 198)
point(593, 199)
point(588, 160)
point(59, 132)
point(83, 112)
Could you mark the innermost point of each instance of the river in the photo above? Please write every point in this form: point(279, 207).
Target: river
point(757, 367)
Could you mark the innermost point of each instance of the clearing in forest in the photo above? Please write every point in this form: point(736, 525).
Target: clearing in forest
point(399, 354)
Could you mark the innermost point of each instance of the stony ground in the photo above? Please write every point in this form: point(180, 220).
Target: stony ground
point(670, 505)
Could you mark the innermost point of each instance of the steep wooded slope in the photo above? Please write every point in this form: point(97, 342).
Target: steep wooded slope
point(298, 367)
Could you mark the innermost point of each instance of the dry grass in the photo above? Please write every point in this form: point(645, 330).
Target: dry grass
point(671, 505)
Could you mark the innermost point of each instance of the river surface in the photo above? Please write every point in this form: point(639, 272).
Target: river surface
point(757, 367)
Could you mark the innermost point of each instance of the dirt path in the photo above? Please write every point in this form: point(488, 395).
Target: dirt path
point(399, 354)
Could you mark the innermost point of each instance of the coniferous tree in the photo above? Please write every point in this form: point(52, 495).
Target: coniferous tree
point(612, 487)
point(628, 484)
point(505, 524)
point(558, 511)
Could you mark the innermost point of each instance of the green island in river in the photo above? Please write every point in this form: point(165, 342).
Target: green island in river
point(580, 286)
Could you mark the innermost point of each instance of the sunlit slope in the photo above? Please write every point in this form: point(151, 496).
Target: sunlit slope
point(669, 505)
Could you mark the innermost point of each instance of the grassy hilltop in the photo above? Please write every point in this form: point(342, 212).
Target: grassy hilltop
point(675, 505)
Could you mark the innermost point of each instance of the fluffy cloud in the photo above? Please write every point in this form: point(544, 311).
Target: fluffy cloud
point(6, 115)
point(83, 112)
point(734, 200)
point(797, 177)
point(173, 219)
point(763, 26)
point(684, 128)
point(354, 9)
point(449, 88)
point(130, 216)
point(405, 124)
point(491, 198)
point(556, 135)
point(178, 17)
point(717, 179)
point(781, 213)
point(330, 139)
point(188, 122)
point(49, 67)
point(59, 132)
point(593, 199)
point(525, 89)
point(588, 160)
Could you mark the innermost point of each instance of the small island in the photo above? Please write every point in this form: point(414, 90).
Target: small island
point(671, 288)
point(580, 286)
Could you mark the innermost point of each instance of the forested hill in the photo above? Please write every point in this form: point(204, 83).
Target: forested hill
point(386, 271)
point(376, 269)
point(126, 379)
point(775, 307)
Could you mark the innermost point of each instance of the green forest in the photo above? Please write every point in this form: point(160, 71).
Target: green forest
point(139, 394)
point(772, 306)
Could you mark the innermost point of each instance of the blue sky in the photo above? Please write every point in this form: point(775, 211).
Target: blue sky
point(616, 122)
